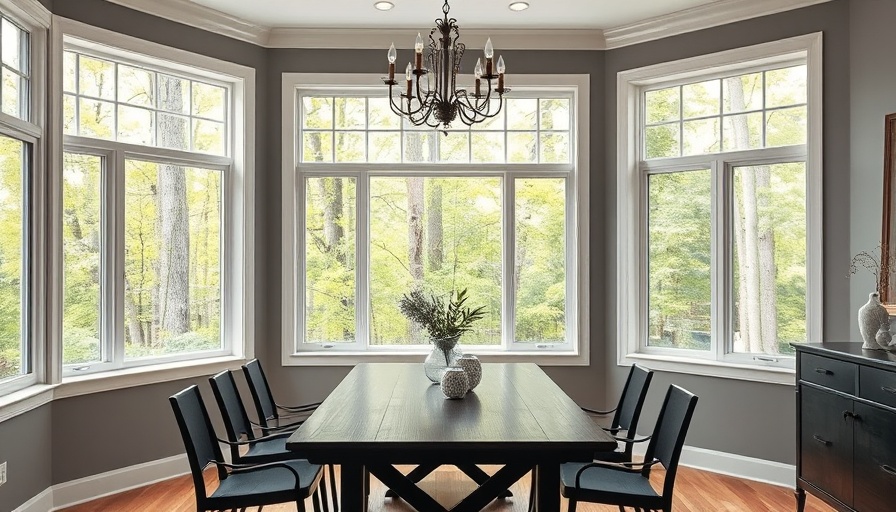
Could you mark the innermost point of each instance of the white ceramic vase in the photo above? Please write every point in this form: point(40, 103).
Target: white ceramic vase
point(473, 368)
point(871, 316)
point(454, 382)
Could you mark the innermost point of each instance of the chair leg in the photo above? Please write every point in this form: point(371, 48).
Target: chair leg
point(532, 493)
point(315, 501)
point(333, 488)
point(572, 505)
point(322, 490)
point(300, 505)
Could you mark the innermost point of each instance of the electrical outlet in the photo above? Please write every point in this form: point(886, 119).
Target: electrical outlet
point(2, 473)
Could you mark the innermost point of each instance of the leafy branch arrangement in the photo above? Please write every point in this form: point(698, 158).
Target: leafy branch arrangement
point(875, 264)
point(441, 319)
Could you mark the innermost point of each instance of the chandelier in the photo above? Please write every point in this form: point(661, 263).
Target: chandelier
point(431, 97)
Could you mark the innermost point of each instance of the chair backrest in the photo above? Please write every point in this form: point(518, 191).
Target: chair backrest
point(261, 392)
point(236, 421)
point(669, 434)
point(198, 434)
point(628, 411)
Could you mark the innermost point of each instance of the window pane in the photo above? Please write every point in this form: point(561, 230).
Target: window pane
point(420, 146)
point(521, 113)
point(81, 249)
point(701, 137)
point(743, 131)
point(785, 87)
point(554, 114)
point(663, 105)
point(384, 147)
point(487, 147)
point(96, 78)
point(208, 137)
point(350, 147)
point(540, 270)
point(678, 271)
point(172, 259)
point(13, 94)
point(701, 99)
point(69, 72)
point(135, 125)
point(662, 141)
point(769, 258)
point(329, 260)
point(13, 43)
point(97, 119)
point(13, 276)
point(69, 126)
point(174, 131)
point(317, 113)
point(317, 147)
point(174, 94)
point(742, 93)
point(785, 127)
point(350, 113)
point(522, 147)
point(554, 148)
point(438, 234)
point(209, 101)
point(380, 115)
point(136, 86)
point(454, 147)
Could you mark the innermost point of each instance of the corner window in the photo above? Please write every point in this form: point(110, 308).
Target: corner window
point(382, 208)
point(154, 195)
point(720, 255)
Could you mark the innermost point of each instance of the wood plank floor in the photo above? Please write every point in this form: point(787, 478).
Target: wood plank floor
point(695, 491)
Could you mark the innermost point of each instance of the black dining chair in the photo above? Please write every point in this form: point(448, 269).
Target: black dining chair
point(270, 413)
point(625, 418)
point(239, 485)
point(627, 484)
point(245, 446)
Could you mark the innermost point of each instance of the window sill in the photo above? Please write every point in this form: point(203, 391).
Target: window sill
point(24, 400)
point(142, 375)
point(349, 358)
point(707, 368)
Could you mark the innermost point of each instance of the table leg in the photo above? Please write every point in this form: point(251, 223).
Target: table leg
point(547, 487)
point(354, 487)
point(800, 495)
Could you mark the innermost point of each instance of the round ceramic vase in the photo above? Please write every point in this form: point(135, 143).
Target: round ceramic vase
point(871, 316)
point(473, 368)
point(454, 383)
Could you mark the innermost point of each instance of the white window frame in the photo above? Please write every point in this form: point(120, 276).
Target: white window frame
point(631, 209)
point(294, 352)
point(32, 17)
point(237, 204)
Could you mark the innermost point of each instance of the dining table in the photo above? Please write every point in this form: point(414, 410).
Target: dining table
point(386, 414)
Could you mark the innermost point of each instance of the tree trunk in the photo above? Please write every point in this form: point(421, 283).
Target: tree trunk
point(768, 299)
point(330, 190)
point(415, 230)
point(132, 313)
point(174, 223)
point(434, 229)
point(742, 136)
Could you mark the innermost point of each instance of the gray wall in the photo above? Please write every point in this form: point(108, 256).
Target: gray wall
point(872, 72)
point(26, 446)
point(751, 419)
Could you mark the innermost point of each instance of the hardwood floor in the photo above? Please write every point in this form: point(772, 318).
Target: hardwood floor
point(695, 491)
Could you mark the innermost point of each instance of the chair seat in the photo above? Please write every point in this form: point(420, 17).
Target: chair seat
point(272, 485)
point(268, 450)
point(609, 486)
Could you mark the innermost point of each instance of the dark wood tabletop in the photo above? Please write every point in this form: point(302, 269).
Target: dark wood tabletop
point(389, 413)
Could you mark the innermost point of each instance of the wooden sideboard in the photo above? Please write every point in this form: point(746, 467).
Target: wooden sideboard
point(846, 426)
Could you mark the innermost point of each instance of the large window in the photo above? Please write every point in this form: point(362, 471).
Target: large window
point(153, 203)
point(382, 208)
point(722, 182)
point(21, 199)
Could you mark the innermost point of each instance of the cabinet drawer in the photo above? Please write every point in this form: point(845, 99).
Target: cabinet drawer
point(826, 443)
point(839, 375)
point(877, 385)
point(875, 458)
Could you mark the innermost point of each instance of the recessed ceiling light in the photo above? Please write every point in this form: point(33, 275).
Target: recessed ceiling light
point(384, 6)
point(518, 6)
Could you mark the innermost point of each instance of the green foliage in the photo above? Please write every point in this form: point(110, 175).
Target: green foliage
point(441, 319)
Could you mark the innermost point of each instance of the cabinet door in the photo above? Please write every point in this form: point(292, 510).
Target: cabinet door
point(875, 462)
point(826, 439)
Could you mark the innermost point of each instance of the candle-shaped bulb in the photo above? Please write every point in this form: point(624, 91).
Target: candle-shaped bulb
point(477, 72)
point(407, 72)
point(501, 65)
point(489, 49)
point(392, 55)
point(418, 45)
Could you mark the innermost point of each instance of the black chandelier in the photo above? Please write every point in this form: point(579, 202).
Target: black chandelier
point(436, 101)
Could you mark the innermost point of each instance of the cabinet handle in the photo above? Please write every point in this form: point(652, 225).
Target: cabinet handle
point(824, 371)
point(850, 414)
point(888, 389)
point(888, 469)
point(821, 440)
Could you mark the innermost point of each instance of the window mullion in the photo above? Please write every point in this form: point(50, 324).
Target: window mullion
point(720, 257)
point(364, 333)
point(114, 273)
point(509, 227)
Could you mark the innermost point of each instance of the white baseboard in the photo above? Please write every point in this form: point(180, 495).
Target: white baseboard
point(92, 487)
point(40, 503)
point(759, 470)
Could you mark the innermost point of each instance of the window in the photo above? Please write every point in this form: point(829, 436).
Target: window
point(721, 258)
point(22, 39)
point(381, 208)
point(154, 185)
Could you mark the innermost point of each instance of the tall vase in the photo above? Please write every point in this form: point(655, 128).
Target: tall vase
point(445, 353)
point(871, 316)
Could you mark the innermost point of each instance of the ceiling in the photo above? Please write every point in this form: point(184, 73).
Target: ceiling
point(420, 14)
